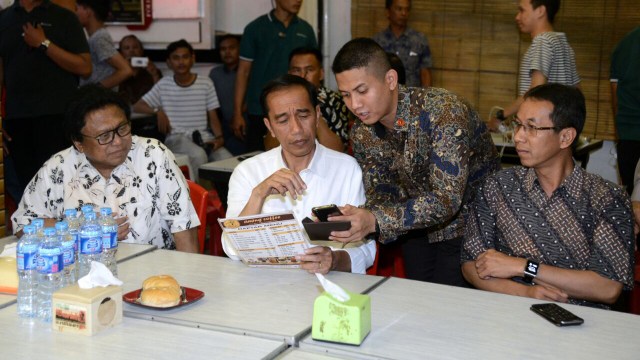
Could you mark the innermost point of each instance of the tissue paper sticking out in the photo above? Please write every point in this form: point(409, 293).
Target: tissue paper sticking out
point(336, 291)
point(99, 275)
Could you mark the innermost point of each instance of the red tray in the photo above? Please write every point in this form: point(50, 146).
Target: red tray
point(189, 296)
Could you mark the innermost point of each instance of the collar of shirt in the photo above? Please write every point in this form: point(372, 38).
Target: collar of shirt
point(274, 19)
point(389, 34)
point(571, 185)
point(85, 166)
point(403, 112)
point(317, 162)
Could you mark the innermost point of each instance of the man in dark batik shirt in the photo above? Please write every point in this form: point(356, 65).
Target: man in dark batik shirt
point(422, 152)
point(561, 233)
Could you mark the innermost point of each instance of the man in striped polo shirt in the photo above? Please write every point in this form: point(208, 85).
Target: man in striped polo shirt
point(183, 103)
point(549, 59)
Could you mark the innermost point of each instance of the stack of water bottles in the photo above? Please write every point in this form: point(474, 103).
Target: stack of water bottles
point(52, 258)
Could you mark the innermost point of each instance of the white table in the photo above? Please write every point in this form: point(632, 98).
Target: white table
point(294, 353)
point(268, 303)
point(416, 320)
point(132, 339)
point(130, 251)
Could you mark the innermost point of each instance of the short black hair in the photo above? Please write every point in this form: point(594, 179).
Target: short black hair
point(389, 3)
point(398, 66)
point(552, 7)
point(87, 99)
point(130, 36)
point(182, 43)
point(227, 37)
point(569, 110)
point(284, 82)
point(361, 53)
point(306, 50)
point(101, 8)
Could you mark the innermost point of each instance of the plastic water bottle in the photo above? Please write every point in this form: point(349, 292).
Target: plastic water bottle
point(109, 240)
point(50, 267)
point(27, 253)
point(68, 254)
point(71, 217)
point(39, 224)
point(90, 244)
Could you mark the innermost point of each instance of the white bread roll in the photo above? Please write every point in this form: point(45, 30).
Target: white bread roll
point(160, 281)
point(160, 297)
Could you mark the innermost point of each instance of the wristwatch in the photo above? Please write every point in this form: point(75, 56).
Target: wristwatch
point(530, 271)
point(44, 45)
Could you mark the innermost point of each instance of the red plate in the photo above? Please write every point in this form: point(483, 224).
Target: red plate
point(189, 296)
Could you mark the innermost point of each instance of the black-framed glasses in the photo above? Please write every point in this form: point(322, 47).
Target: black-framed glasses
point(107, 137)
point(531, 130)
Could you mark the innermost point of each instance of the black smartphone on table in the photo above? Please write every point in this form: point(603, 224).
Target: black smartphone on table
point(556, 314)
point(324, 212)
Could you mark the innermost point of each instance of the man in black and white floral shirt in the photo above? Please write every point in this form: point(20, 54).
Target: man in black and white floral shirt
point(108, 167)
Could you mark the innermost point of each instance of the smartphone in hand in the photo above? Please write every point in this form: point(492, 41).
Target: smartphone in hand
point(324, 212)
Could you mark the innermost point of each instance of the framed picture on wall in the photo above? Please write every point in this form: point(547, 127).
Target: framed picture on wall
point(127, 12)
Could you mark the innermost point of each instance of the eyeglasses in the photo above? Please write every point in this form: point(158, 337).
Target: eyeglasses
point(107, 137)
point(531, 130)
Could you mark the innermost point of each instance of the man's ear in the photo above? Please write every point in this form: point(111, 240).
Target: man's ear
point(541, 12)
point(567, 136)
point(267, 123)
point(321, 74)
point(391, 79)
point(169, 64)
point(78, 145)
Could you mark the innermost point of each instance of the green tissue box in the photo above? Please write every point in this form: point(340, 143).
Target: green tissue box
point(342, 322)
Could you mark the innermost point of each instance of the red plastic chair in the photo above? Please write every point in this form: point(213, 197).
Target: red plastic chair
point(200, 199)
point(215, 210)
point(389, 261)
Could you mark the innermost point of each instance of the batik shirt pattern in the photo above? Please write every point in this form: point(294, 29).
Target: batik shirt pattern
point(421, 173)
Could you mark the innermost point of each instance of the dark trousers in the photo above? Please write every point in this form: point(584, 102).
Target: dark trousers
point(437, 263)
point(255, 132)
point(34, 141)
point(628, 156)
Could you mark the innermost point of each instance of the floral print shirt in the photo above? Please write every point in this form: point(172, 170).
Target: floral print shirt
point(335, 112)
point(148, 188)
point(420, 174)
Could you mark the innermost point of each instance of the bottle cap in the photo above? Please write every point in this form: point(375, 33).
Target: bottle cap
point(29, 229)
point(105, 211)
point(62, 226)
point(49, 231)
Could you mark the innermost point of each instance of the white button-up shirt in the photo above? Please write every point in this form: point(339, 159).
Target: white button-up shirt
point(331, 178)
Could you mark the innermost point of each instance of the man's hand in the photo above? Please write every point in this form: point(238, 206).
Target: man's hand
point(33, 36)
point(238, 125)
point(318, 259)
point(547, 292)
point(123, 227)
point(164, 125)
point(492, 263)
point(363, 223)
point(281, 182)
point(216, 143)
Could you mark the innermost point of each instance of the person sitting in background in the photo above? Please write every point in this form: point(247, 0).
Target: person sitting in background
point(564, 234)
point(333, 131)
point(185, 104)
point(136, 177)
point(224, 80)
point(144, 77)
point(110, 69)
point(299, 174)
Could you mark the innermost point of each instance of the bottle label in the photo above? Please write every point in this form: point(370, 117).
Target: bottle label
point(50, 261)
point(90, 245)
point(109, 239)
point(27, 257)
point(68, 254)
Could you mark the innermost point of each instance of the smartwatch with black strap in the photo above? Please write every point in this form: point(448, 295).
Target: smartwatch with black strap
point(530, 271)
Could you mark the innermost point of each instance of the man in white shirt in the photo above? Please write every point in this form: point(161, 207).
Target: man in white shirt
point(299, 174)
